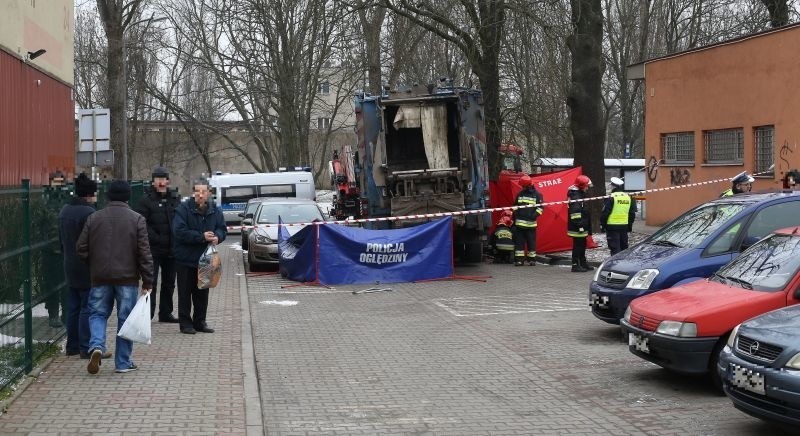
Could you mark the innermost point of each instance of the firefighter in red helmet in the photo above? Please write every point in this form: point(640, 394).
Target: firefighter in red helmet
point(525, 221)
point(503, 240)
point(579, 223)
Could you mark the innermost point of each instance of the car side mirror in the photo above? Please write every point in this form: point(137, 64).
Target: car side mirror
point(249, 215)
point(247, 222)
point(241, 214)
point(748, 242)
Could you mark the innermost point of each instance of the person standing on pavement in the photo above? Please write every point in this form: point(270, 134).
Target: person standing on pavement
point(198, 223)
point(525, 221)
point(53, 278)
point(71, 220)
point(619, 211)
point(115, 246)
point(579, 223)
point(157, 207)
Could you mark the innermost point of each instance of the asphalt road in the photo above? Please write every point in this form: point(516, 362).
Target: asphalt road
point(517, 354)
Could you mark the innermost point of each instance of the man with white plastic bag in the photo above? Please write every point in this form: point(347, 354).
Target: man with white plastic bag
point(137, 326)
point(198, 223)
point(115, 246)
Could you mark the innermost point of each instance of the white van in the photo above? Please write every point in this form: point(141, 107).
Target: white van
point(231, 191)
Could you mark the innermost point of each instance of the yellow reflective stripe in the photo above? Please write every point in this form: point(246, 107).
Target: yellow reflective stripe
point(519, 253)
point(575, 216)
point(506, 234)
point(575, 234)
point(526, 200)
point(531, 254)
point(525, 223)
point(539, 210)
point(505, 247)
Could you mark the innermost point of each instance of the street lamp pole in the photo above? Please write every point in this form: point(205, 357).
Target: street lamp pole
point(125, 87)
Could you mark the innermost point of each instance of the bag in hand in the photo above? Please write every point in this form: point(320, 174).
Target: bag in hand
point(209, 268)
point(136, 327)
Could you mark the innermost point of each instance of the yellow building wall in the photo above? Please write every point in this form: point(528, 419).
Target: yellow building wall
point(30, 25)
point(741, 84)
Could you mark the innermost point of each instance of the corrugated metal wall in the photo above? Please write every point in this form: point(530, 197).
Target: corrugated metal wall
point(37, 121)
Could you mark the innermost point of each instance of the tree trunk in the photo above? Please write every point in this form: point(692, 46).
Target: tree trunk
point(778, 12)
point(585, 97)
point(116, 94)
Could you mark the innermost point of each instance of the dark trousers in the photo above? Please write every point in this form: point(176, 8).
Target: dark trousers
point(579, 251)
point(524, 236)
point(54, 285)
point(166, 265)
point(617, 240)
point(189, 295)
point(78, 321)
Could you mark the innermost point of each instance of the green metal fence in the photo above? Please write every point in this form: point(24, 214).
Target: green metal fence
point(32, 285)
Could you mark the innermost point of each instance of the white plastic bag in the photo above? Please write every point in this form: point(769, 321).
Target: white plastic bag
point(137, 326)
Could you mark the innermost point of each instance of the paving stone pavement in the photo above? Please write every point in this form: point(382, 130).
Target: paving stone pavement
point(186, 384)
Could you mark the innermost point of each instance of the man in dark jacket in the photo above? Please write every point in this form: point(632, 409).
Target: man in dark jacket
point(525, 221)
point(198, 222)
point(70, 223)
point(617, 217)
point(579, 223)
point(157, 207)
point(115, 246)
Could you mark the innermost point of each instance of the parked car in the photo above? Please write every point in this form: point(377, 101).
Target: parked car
point(760, 366)
point(263, 240)
point(247, 214)
point(689, 248)
point(684, 328)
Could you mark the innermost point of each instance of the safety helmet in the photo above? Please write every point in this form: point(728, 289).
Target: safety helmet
point(583, 182)
point(508, 212)
point(617, 182)
point(742, 177)
point(505, 221)
point(525, 181)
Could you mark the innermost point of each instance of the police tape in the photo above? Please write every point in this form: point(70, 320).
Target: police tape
point(480, 211)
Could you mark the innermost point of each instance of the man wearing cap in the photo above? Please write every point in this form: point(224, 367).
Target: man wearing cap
point(741, 183)
point(525, 221)
point(503, 240)
point(71, 220)
point(114, 244)
point(619, 211)
point(157, 207)
point(579, 222)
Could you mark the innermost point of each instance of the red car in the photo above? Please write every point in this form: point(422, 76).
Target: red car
point(684, 328)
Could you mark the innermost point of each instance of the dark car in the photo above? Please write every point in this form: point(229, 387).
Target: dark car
point(263, 243)
point(760, 366)
point(690, 248)
point(247, 214)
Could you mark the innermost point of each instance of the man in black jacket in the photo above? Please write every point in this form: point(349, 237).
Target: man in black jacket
point(157, 207)
point(579, 223)
point(525, 221)
point(198, 222)
point(70, 224)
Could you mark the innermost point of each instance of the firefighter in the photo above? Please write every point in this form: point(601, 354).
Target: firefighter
point(741, 183)
point(619, 211)
point(579, 223)
point(503, 240)
point(525, 221)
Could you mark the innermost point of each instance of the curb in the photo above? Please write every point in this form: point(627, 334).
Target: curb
point(23, 384)
point(254, 420)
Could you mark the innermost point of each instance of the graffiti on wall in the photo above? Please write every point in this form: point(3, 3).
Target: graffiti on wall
point(680, 176)
point(652, 169)
point(785, 152)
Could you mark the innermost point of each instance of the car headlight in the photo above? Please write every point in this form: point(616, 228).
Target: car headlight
point(677, 328)
point(732, 337)
point(794, 362)
point(597, 271)
point(627, 316)
point(643, 279)
point(263, 239)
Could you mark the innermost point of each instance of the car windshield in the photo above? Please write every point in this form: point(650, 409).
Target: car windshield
point(251, 208)
point(289, 213)
point(693, 228)
point(766, 266)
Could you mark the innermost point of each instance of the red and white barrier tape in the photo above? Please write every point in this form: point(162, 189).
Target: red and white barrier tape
point(479, 211)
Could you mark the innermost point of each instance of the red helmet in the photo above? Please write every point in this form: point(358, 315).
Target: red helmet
point(505, 221)
point(525, 181)
point(508, 212)
point(583, 182)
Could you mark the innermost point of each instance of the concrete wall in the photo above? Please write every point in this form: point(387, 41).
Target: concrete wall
point(744, 84)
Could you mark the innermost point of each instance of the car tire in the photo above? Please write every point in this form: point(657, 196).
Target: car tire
point(716, 380)
point(244, 242)
point(254, 267)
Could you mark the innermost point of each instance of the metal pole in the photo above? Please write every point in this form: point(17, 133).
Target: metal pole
point(26, 274)
point(125, 105)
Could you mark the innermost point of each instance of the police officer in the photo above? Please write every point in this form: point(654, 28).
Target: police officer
point(503, 240)
point(525, 221)
point(617, 217)
point(579, 223)
point(741, 183)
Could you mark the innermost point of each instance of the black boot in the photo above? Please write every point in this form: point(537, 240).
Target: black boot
point(519, 261)
point(586, 265)
point(577, 267)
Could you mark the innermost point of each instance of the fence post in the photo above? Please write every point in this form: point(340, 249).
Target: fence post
point(26, 273)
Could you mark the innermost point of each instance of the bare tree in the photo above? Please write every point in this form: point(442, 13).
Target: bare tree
point(90, 60)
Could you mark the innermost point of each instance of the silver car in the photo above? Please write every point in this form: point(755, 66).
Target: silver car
point(263, 239)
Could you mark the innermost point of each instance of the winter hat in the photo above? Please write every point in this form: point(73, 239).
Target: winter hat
point(160, 171)
point(84, 186)
point(118, 190)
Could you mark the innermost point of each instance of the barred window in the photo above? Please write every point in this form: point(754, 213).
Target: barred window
point(678, 147)
point(764, 139)
point(724, 146)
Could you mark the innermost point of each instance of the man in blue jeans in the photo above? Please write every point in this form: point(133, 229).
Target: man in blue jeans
point(114, 244)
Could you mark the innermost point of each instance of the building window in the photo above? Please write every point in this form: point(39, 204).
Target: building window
point(325, 88)
point(678, 148)
point(764, 139)
point(724, 146)
point(323, 123)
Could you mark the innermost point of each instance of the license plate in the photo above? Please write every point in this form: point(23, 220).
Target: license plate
point(746, 379)
point(640, 343)
point(599, 301)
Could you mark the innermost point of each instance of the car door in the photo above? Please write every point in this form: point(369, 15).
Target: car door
point(769, 218)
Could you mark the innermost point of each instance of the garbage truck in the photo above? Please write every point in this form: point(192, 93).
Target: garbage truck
point(422, 150)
